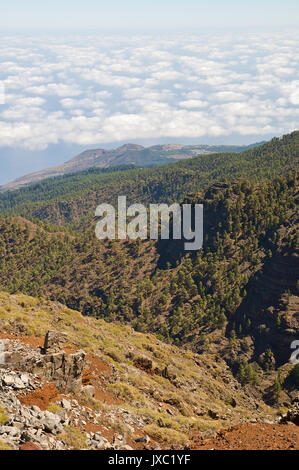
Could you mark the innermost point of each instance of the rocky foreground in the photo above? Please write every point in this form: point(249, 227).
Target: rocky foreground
point(70, 382)
point(68, 424)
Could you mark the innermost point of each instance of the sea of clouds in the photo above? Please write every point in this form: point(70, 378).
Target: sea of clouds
point(86, 90)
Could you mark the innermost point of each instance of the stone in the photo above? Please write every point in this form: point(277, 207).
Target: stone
point(89, 390)
point(50, 363)
point(8, 380)
point(66, 404)
point(144, 439)
point(143, 363)
point(233, 402)
point(52, 423)
point(11, 430)
point(54, 340)
point(293, 413)
point(169, 373)
point(213, 414)
point(18, 384)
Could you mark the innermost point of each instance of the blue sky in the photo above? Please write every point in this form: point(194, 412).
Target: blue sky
point(144, 14)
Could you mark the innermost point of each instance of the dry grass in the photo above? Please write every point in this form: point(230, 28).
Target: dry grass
point(5, 446)
point(73, 438)
point(166, 436)
point(3, 417)
point(195, 386)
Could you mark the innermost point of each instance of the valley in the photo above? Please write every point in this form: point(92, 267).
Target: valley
point(226, 315)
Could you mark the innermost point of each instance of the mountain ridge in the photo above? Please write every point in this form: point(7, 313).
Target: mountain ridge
point(126, 154)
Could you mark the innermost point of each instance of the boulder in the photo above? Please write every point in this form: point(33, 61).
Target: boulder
point(66, 405)
point(89, 390)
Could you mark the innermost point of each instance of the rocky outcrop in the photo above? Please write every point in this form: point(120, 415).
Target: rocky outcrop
point(292, 414)
point(54, 341)
point(51, 362)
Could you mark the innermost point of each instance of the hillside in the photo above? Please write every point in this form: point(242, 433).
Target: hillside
point(131, 391)
point(206, 301)
point(72, 199)
point(125, 155)
point(225, 315)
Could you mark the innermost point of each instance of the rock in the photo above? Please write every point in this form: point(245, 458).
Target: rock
point(54, 341)
point(118, 441)
point(18, 384)
point(213, 414)
point(8, 380)
point(144, 439)
point(25, 378)
point(89, 390)
point(9, 430)
point(233, 402)
point(143, 363)
point(66, 404)
point(293, 413)
point(27, 436)
point(51, 364)
point(29, 446)
point(169, 373)
point(52, 423)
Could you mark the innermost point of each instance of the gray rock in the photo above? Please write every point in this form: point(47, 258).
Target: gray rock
point(89, 390)
point(52, 423)
point(8, 380)
point(54, 341)
point(169, 373)
point(144, 439)
point(66, 404)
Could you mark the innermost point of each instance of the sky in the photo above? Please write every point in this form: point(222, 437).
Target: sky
point(144, 14)
point(77, 75)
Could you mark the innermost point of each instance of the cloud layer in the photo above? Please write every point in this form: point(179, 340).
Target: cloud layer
point(91, 90)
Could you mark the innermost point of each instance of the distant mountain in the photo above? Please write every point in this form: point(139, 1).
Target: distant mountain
point(124, 155)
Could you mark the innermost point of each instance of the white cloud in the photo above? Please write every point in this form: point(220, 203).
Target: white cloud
point(92, 90)
point(190, 104)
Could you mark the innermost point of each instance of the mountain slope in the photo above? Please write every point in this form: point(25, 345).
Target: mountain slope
point(237, 297)
point(137, 385)
point(204, 300)
point(72, 199)
point(125, 155)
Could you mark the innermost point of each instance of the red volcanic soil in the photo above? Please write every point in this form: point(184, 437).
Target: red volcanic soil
point(259, 436)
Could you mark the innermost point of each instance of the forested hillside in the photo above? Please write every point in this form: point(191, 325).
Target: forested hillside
point(247, 224)
point(72, 199)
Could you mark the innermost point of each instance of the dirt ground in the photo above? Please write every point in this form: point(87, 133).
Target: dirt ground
point(253, 437)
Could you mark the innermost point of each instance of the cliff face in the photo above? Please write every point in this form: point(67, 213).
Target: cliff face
point(52, 364)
